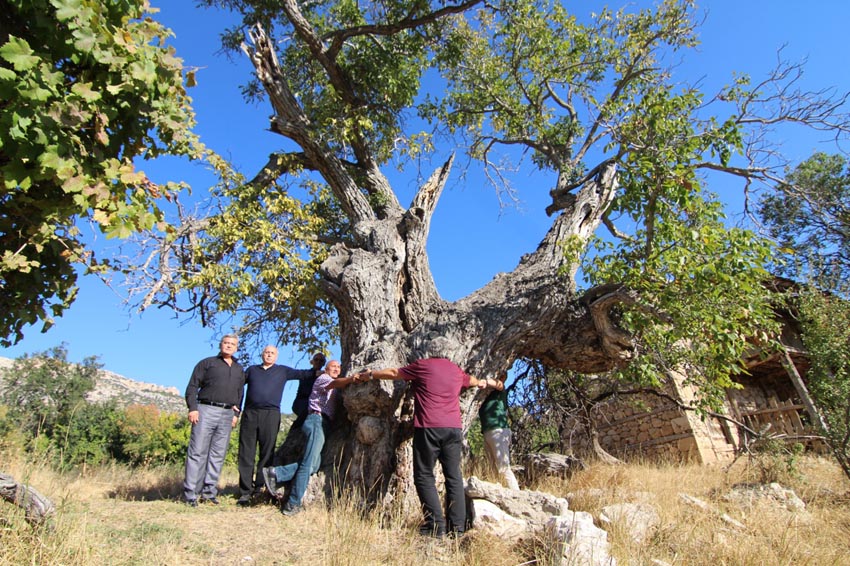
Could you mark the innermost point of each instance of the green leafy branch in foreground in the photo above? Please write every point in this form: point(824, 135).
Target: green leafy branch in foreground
point(87, 88)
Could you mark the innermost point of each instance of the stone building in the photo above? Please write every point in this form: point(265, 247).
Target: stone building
point(656, 427)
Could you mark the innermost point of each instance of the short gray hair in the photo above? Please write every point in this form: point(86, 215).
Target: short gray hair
point(433, 346)
point(235, 337)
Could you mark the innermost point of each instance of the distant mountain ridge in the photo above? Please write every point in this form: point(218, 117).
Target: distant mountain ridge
point(125, 391)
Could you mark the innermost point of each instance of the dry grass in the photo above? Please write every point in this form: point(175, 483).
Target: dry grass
point(120, 516)
point(818, 535)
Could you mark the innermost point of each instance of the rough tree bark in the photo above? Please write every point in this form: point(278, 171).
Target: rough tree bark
point(389, 307)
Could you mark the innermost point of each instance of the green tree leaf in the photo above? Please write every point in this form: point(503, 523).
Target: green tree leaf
point(99, 90)
point(18, 52)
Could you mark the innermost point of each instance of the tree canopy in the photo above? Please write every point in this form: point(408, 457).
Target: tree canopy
point(87, 90)
point(809, 217)
point(591, 100)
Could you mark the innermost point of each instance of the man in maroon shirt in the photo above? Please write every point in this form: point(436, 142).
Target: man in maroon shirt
point(437, 435)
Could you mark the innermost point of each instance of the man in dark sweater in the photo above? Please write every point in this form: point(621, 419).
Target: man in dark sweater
point(261, 418)
point(305, 387)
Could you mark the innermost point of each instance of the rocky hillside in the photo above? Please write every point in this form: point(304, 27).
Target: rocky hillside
point(113, 387)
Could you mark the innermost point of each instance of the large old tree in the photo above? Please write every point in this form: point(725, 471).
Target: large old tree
point(319, 247)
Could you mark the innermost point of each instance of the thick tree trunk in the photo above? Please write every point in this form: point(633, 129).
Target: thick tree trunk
point(390, 311)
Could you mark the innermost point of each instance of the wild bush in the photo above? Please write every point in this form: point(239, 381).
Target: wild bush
point(149, 436)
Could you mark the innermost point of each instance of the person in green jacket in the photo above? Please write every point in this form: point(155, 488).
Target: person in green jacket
point(497, 435)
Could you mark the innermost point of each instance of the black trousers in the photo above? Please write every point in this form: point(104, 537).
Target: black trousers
point(259, 426)
point(444, 445)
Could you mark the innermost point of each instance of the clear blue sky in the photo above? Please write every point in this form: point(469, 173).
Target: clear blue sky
point(472, 239)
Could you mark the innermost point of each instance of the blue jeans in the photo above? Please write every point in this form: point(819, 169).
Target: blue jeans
point(207, 449)
point(300, 472)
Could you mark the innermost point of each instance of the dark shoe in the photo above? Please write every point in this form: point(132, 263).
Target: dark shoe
point(214, 500)
point(244, 501)
point(192, 502)
point(432, 531)
point(289, 509)
point(270, 479)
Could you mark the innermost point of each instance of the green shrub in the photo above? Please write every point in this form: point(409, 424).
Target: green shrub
point(149, 436)
point(88, 438)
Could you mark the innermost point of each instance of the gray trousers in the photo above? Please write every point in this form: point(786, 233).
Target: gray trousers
point(207, 448)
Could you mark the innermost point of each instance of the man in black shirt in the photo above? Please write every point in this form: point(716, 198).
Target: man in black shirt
point(214, 395)
point(261, 418)
point(305, 386)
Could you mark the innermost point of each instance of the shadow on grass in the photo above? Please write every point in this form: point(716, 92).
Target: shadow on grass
point(151, 490)
point(171, 488)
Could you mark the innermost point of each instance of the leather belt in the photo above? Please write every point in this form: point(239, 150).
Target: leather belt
point(216, 404)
